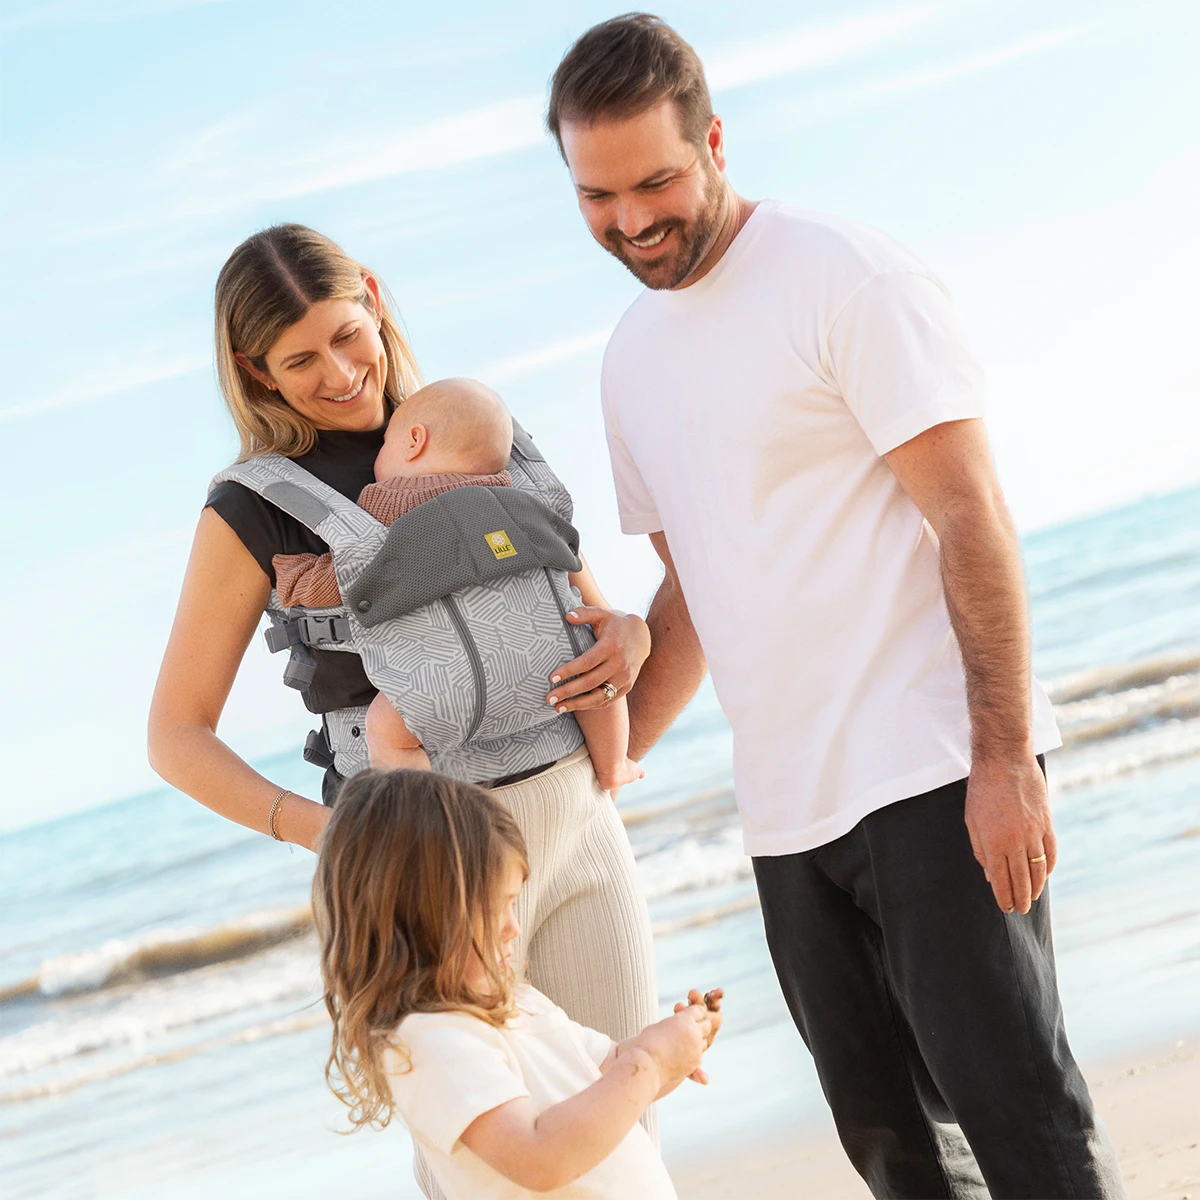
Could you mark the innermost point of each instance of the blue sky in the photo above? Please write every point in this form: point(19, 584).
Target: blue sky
point(1042, 157)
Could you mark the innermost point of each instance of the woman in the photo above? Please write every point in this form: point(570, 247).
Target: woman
point(311, 362)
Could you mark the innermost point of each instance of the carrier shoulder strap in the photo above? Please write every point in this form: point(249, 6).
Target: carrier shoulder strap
point(338, 522)
point(523, 447)
point(350, 532)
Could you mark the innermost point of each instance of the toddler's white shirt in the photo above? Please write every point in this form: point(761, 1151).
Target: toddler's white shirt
point(747, 416)
point(463, 1067)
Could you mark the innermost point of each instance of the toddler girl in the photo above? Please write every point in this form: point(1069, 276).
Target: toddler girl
point(414, 899)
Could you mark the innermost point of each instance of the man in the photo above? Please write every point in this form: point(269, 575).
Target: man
point(795, 420)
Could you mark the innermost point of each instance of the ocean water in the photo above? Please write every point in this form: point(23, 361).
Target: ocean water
point(159, 1030)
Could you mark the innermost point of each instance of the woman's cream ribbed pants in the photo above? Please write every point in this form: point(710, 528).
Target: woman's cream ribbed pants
point(585, 932)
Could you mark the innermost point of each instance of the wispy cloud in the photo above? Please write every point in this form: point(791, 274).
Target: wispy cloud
point(223, 167)
point(809, 46)
point(110, 377)
point(835, 103)
point(79, 12)
point(476, 134)
point(502, 370)
point(977, 62)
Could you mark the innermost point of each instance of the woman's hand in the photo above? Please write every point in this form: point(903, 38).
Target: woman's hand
point(622, 646)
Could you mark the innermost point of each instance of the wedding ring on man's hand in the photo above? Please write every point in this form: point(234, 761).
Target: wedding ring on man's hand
point(609, 691)
point(1040, 858)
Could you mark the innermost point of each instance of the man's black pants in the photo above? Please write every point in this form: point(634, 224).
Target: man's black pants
point(934, 1019)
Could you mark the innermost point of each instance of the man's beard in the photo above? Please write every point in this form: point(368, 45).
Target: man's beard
point(692, 241)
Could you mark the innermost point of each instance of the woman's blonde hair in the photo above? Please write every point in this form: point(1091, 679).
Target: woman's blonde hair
point(410, 872)
point(268, 284)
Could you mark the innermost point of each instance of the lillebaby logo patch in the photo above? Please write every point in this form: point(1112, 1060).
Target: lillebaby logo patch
point(499, 544)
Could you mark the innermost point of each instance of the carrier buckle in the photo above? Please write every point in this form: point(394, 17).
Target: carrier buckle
point(307, 631)
point(318, 631)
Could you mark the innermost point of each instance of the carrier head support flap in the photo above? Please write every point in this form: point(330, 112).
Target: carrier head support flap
point(460, 539)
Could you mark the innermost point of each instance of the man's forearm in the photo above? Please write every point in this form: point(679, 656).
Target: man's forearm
point(985, 593)
point(670, 676)
point(948, 473)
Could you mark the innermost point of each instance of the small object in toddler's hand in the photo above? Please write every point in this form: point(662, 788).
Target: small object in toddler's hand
point(712, 1001)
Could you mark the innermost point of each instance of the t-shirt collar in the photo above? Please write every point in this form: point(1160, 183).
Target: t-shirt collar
point(734, 252)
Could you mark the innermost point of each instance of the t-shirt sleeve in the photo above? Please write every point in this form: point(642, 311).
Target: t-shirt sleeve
point(900, 357)
point(635, 504)
point(253, 519)
point(596, 1044)
point(461, 1068)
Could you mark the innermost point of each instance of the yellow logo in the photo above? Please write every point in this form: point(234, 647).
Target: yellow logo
point(499, 544)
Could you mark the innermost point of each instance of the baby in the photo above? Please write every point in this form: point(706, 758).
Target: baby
point(449, 434)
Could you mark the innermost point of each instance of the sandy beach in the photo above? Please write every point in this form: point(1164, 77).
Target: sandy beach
point(1149, 1101)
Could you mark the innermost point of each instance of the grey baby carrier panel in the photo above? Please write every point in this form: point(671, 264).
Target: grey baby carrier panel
point(457, 611)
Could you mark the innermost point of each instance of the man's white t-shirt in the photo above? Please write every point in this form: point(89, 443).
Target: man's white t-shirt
point(747, 415)
point(462, 1067)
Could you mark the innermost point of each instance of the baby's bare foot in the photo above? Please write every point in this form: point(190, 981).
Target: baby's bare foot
point(627, 772)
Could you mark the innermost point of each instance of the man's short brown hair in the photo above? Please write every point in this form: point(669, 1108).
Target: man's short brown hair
point(624, 66)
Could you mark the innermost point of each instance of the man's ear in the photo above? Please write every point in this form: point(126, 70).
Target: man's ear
point(716, 142)
point(418, 441)
point(262, 376)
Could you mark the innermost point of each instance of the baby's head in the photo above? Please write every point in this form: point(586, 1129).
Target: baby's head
point(413, 904)
point(453, 425)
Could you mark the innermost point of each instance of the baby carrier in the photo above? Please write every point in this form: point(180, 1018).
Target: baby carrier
point(457, 610)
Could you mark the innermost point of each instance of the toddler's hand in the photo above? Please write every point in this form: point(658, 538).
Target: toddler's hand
point(712, 1003)
point(677, 1043)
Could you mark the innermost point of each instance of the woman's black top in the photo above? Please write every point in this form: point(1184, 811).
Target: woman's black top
point(346, 462)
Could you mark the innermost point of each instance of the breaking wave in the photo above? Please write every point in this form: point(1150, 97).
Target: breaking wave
point(164, 952)
point(170, 994)
point(1095, 681)
point(1156, 698)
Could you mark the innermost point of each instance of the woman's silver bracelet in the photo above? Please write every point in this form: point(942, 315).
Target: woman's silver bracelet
point(274, 812)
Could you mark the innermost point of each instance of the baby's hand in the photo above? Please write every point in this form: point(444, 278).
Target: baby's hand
point(627, 772)
point(712, 1002)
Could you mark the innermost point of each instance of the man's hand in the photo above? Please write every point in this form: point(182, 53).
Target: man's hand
point(622, 645)
point(1008, 819)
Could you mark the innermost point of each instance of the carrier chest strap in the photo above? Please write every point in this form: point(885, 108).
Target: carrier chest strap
point(308, 631)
